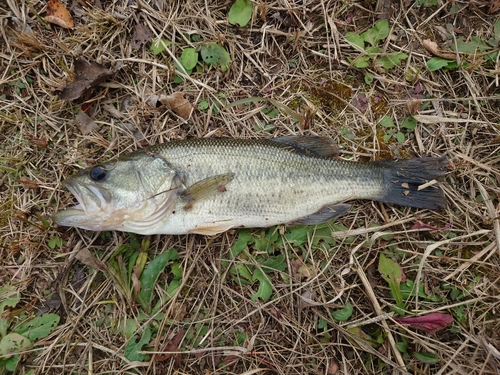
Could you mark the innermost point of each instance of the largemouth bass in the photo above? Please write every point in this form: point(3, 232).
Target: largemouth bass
point(208, 186)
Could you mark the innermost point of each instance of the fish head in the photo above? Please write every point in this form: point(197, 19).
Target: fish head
point(137, 187)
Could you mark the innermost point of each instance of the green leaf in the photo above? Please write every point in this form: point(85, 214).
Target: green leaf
point(11, 363)
point(299, 235)
point(389, 134)
point(400, 137)
point(240, 12)
point(386, 122)
point(133, 347)
point(128, 327)
point(377, 33)
point(322, 323)
point(369, 78)
point(150, 276)
point(159, 45)
point(389, 269)
point(14, 343)
point(361, 62)
point(277, 263)
point(173, 287)
point(391, 60)
point(203, 105)
point(176, 270)
point(437, 63)
point(402, 347)
point(426, 357)
point(4, 326)
point(8, 297)
point(189, 58)
point(365, 337)
point(343, 314)
point(355, 39)
point(244, 238)
point(39, 327)
point(471, 47)
point(242, 271)
point(216, 55)
point(409, 123)
point(265, 287)
point(408, 290)
point(55, 241)
point(496, 29)
point(391, 272)
point(372, 51)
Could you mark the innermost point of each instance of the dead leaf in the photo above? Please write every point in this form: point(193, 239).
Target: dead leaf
point(333, 368)
point(78, 278)
point(433, 48)
point(231, 360)
point(59, 15)
point(40, 142)
point(177, 103)
point(142, 35)
point(28, 184)
point(86, 257)
point(421, 225)
point(85, 123)
point(86, 76)
point(494, 6)
point(306, 298)
point(172, 346)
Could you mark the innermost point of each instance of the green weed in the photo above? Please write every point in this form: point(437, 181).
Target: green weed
point(478, 49)
point(371, 54)
point(240, 12)
point(17, 338)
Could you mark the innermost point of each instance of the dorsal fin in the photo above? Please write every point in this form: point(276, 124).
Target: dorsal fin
point(317, 146)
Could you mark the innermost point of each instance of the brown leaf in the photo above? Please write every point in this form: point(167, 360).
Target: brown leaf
point(87, 75)
point(59, 15)
point(333, 368)
point(40, 142)
point(172, 346)
point(85, 123)
point(177, 103)
point(231, 360)
point(421, 225)
point(86, 257)
point(142, 35)
point(433, 48)
point(28, 184)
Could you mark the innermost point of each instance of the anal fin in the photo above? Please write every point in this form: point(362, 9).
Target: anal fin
point(325, 214)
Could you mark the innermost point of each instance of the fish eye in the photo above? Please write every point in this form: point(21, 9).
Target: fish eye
point(97, 173)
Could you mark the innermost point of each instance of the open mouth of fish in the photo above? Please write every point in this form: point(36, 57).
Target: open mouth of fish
point(90, 199)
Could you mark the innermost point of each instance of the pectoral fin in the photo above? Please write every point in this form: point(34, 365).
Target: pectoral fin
point(327, 213)
point(204, 188)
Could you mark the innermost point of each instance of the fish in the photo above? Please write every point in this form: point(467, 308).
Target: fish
point(210, 185)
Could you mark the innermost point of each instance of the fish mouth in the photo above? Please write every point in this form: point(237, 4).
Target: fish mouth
point(91, 200)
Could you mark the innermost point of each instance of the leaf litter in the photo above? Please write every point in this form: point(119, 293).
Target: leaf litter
point(59, 15)
point(86, 75)
point(450, 258)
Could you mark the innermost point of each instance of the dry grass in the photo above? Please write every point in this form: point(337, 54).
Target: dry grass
point(295, 53)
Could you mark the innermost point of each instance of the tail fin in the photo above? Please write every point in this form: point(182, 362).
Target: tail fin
point(402, 179)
